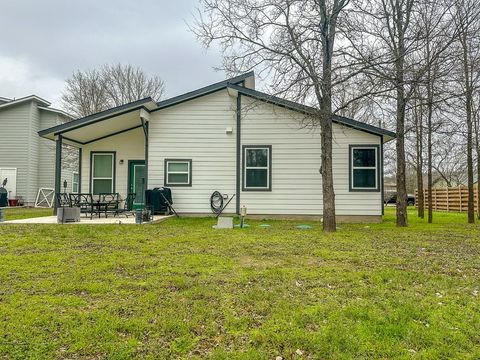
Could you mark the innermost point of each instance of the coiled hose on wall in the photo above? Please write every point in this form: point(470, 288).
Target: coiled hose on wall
point(216, 202)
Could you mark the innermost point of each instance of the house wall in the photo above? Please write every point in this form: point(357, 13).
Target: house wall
point(33, 154)
point(196, 130)
point(23, 149)
point(46, 155)
point(14, 143)
point(128, 146)
point(296, 151)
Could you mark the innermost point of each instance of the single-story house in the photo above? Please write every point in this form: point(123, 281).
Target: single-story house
point(231, 138)
point(26, 160)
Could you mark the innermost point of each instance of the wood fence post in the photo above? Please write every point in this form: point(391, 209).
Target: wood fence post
point(435, 207)
point(448, 199)
point(461, 195)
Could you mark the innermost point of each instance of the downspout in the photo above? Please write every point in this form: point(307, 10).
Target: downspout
point(238, 150)
point(145, 132)
point(58, 170)
point(382, 180)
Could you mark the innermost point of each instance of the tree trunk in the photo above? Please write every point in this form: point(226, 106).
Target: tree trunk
point(429, 136)
point(400, 146)
point(471, 206)
point(478, 178)
point(477, 147)
point(429, 171)
point(419, 149)
point(326, 114)
point(329, 222)
point(469, 101)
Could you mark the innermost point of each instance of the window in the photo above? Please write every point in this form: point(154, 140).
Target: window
point(364, 168)
point(257, 163)
point(102, 172)
point(178, 172)
point(75, 180)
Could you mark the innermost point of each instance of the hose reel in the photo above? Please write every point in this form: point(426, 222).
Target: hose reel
point(217, 202)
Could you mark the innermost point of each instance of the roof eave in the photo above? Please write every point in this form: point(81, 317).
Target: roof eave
point(386, 134)
point(203, 91)
point(36, 98)
point(58, 111)
point(147, 104)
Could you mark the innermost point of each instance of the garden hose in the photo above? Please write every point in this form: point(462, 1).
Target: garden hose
point(216, 202)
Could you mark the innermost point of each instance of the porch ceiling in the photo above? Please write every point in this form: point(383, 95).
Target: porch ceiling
point(100, 125)
point(101, 128)
point(104, 128)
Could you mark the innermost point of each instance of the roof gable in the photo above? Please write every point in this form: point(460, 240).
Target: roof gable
point(39, 100)
point(203, 91)
point(247, 80)
point(310, 110)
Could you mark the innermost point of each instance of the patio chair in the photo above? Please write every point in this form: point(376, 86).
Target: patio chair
point(127, 205)
point(84, 202)
point(110, 203)
point(63, 200)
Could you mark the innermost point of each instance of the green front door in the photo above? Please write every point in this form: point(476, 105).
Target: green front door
point(136, 181)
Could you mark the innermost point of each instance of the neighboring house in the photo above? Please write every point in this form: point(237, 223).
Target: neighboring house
point(26, 160)
point(234, 139)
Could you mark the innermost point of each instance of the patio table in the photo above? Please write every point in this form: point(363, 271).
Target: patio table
point(99, 205)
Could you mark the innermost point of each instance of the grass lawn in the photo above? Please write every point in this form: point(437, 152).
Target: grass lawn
point(16, 213)
point(180, 289)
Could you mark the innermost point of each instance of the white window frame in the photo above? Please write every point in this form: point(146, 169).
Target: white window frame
point(112, 154)
point(73, 182)
point(353, 167)
point(188, 172)
point(268, 167)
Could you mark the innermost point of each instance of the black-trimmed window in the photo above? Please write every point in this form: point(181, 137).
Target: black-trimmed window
point(257, 167)
point(102, 172)
point(75, 182)
point(178, 172)
point(364, 168)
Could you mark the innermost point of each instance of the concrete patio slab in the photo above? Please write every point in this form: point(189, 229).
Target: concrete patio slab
point(86, 221)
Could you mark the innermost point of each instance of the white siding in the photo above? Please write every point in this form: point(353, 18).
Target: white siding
point(46, 155)
point(22, 148)
point(46, 162)
point(14, 143)
point(296, 180)
point(128, 146)
point(33, 153)
point(196, 130)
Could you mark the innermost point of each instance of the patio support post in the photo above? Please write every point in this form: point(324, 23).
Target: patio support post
point(238, 153)
point(79, 170)
point(58, 170)
point(145, 132)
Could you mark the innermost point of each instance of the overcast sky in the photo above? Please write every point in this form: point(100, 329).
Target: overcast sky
point(43, 41)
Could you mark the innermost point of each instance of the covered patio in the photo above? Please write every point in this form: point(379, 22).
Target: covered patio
point(87, 221)
point(113, 151)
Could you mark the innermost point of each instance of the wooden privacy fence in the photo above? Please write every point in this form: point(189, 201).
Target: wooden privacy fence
point(449, 199)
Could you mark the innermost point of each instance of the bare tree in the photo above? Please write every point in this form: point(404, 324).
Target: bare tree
point(293, 42)
point(127, 83)
point(417, 115)
point(437, 26)
point(84, 93)
point(386, 32)
point(91, 91)
point(391, 33)
point(467, 17)
point(476, 127)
